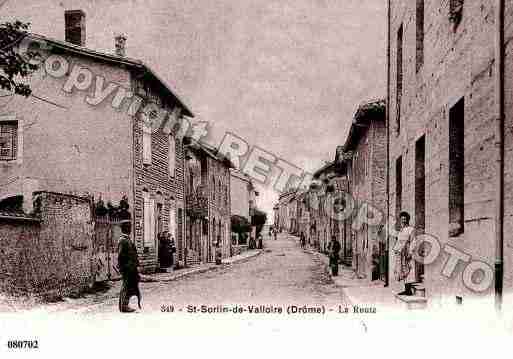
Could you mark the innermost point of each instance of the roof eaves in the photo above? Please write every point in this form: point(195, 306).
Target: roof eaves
point(13, 216)
point(188, 112)
point(326, 166)
point(89, 52)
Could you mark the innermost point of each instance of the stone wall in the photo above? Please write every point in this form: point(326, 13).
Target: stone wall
point(50, 253)
point(458, 63)
point(368, 188)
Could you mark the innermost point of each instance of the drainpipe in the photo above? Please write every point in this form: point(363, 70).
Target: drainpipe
point(387, 120)
point(499, 145)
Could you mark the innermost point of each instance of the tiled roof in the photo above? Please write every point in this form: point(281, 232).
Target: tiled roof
point(366, 112)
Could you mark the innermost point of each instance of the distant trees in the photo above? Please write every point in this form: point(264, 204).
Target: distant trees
point(240, 224)
point(258, 219)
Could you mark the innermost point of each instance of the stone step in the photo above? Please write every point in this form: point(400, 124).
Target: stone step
point(419, 290)
point(348, 260)
point(411, 302)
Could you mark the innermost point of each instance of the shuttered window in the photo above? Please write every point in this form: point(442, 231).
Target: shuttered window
point(146, 144)
point(398, 185)
point(8, 140)
point(172, 156)
point(149, 221)
point(420, 35)
point(456, 168)
point(172, 220)
point(399, 78)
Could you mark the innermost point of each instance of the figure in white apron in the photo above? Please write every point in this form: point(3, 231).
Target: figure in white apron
point(404, 263)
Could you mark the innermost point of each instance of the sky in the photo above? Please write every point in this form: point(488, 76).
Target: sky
point(284, 75)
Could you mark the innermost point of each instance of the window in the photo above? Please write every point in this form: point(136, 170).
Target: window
point(159, 225)
point(205, 227)
point(399, 79)
point(456, 168)
point(8, 140)
point(172, 156)
point(219, 193)
point(146, 144)
point(213, 190)
point(420, 183)
point(191, 183)
point(398, 185)
point(149, 220)
point(179, 234)
point(172, 220)
point(190, 233)
point(455, 12)
point(75, 27)
point(420, 198)
point(420, 35)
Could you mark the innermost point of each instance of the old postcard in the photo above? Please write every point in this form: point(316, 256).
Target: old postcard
point(225, 177)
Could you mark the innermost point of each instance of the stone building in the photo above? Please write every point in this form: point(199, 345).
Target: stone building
point(312, 206)
point(327, 205)
point(366, 143)
point(208, 203)
point(322, 215)
point(292, 213)
point(243, 202)
point(302, 214)
point(450, 111)
point(284, 220)
point(276, 216)
point(68, 138)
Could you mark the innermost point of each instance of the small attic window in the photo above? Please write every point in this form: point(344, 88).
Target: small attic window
point(455, 12)
point(75, 27)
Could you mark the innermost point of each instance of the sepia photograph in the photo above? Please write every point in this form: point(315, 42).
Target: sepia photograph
point(256, 177)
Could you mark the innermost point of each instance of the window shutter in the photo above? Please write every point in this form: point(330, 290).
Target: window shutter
point(146, 145)
point(151, 243)
point(146, 217)
point(8, 140)
point(172, 221)
point(149, 221)
point(172, 156)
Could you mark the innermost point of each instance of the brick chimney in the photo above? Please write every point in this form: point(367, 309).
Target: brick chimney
point(120, 42)
point(75, 27)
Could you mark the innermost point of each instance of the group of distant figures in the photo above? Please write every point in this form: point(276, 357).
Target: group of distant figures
point(334, 248)
point(405, 269)
point(273, 232)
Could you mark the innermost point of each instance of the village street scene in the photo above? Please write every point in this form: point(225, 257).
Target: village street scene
point(278, 277)
point(268, 157)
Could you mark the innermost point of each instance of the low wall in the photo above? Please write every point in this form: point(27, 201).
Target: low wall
point(48, 254)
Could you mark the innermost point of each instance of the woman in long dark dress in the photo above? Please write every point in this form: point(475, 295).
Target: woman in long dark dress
point(334, 250)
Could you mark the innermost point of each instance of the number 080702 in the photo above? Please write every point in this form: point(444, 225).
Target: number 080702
point(22, 344)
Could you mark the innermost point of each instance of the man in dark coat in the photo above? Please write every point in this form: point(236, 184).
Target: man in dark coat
point(334, 250)
point(128, 262)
